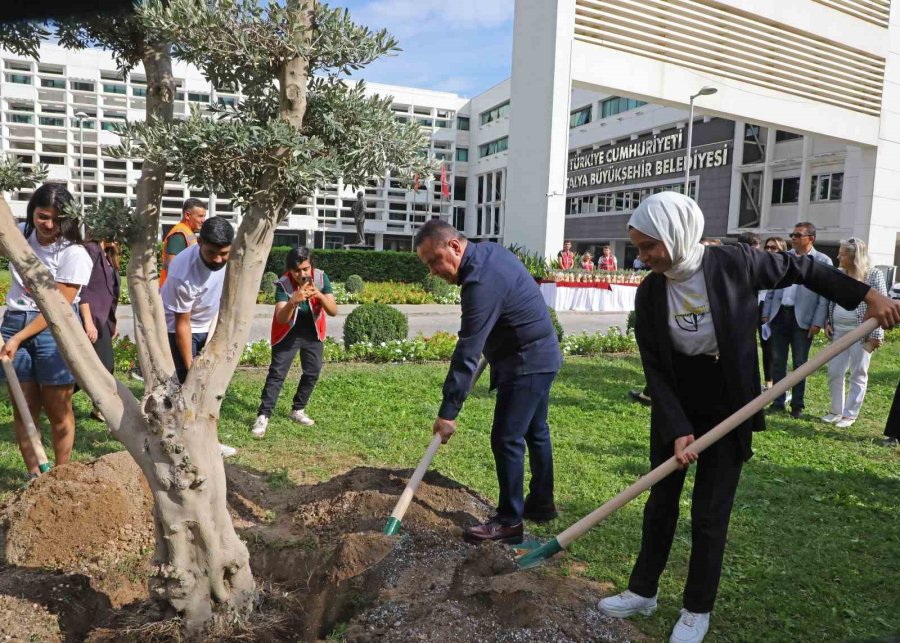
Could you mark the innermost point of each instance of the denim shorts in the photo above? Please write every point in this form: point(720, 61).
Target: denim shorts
point(38, 358)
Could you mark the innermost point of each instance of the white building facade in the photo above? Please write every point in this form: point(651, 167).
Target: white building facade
point(748, 175)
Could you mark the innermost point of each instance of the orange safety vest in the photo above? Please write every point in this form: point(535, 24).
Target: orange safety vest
point(179, 228)
point(280, 331)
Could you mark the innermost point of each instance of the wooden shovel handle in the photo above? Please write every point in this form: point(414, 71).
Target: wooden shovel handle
point(715, 434)
point(21, 403)
point(410, 490)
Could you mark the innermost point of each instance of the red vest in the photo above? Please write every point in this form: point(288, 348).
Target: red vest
point(566, 260)
point(280, 331)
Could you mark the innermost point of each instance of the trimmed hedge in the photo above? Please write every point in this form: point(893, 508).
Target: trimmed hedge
point(354, 284)
point(371, 265)
point(556, 325)
point(374, 323)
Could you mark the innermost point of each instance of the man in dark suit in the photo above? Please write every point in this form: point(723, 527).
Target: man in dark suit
point(504, 317)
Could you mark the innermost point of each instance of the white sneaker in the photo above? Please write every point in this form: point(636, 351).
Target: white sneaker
point(627, 604)
point(260, 426)
point(300, 416)
point(831, 418)
point(845, 423)
point(227, 451)
point(690, 628)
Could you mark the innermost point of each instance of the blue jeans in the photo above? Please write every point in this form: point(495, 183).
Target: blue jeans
point(38, 358)
point(198, 341)
point(787, 334)
point(520, 419)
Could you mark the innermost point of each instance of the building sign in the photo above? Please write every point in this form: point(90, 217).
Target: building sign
point(645, 159)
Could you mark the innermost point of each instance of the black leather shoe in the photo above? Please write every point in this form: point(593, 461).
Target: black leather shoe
point(539, 513)
point(638, 396)
point(796, 412)
point(494, 530)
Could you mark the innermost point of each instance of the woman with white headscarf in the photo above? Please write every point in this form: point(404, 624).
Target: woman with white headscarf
point(696, 330)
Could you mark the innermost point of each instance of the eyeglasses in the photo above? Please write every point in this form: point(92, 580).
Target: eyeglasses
point(797, 235)
point(771, 247)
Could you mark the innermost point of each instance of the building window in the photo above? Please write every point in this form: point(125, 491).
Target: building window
point(462, 123)
point(827, 187)
point(617, 105)
point(781, 135)
point(198, 98)
point(786, 190)
point(489, 204)
point(462, 154)
point(140, 92)
point(53, 83)
point(108, 126)
point(227, 101)
point(21, 118)
point(52, 160)
point(53, 122)
point(112, 88)
point(495, 113)
point(19, 78)
point(81, 86)
point(494, 147)
point(620, 201)
point(580, 117)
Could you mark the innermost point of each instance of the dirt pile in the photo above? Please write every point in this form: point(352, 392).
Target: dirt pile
point(323, 567)
point(89, 518)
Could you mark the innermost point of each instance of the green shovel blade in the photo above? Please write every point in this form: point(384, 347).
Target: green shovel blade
point(44, 468)
point(539, 554)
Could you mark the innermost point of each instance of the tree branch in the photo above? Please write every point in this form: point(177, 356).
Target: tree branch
point(151, 336)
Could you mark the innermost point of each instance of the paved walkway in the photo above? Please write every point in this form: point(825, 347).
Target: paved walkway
point(425, 319)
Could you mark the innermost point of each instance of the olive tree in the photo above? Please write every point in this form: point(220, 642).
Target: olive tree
point(299, 125)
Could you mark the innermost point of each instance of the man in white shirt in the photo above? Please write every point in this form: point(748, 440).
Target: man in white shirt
point(192, 294)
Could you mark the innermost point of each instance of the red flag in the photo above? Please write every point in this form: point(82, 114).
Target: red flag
point(445, 187)
point(416, 184)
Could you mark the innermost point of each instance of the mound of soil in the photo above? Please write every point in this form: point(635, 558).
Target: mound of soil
point(323, 567)
point(89, 518)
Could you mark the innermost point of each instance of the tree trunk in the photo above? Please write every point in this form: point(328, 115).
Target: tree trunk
point(151, 336)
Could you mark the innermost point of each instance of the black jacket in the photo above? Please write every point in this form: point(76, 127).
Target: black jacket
point(733, 276)
point(503, 316)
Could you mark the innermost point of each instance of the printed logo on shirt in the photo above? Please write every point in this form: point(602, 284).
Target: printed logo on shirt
point(690, 321)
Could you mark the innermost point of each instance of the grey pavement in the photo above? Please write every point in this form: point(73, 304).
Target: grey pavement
point(425, 318)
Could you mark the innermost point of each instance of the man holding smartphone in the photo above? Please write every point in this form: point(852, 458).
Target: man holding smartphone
point(302, 300)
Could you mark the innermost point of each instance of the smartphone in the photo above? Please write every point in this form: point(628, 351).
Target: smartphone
point(305, 279)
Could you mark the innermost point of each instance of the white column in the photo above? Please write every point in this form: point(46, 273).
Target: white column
point(805, 181)
point(539, 124)
point(766, 206)
point(737, 159)
point(883, 168)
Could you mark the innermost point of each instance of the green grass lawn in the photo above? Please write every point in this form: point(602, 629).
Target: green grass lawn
point(814, 547)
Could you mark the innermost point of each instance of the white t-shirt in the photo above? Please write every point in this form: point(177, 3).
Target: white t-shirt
point(193, 288)
point(844, 319)
point(68, 263)
point(690, 320)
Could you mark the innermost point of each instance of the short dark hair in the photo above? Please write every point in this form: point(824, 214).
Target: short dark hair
point(749, 238)
point(190, 204)
point(296, 256)
point(810, 228)
point(217, 231)
point(56, 196)
point(437, 231)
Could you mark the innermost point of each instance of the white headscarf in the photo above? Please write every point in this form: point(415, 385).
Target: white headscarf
point(677, 221)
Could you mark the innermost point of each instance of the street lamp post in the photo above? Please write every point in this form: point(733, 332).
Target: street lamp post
point(81, 116)
point(704, 91)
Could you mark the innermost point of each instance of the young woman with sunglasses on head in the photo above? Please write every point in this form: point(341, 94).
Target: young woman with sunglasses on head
point(46, 380)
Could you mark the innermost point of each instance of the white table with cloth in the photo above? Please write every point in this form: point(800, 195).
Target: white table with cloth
point(592, 297)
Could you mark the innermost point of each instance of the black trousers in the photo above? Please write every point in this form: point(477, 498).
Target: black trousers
point(700, 385)
point(520, 420)
point(283, 353)
point(892, 428)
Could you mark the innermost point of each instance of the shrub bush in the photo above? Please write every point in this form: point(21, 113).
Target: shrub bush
point(374, 323)
point(629, 324)
point(354, 284)
point(381, 265)
point(440, 290)
point(556, 324)
point(124, 353)
point(267, 288)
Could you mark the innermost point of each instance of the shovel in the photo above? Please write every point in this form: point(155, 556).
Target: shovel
point(22, 405)
point(533, 553)
point(393, 523)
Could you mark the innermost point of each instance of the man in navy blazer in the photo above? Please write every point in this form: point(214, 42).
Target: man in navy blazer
point(504, 317)
point(794, 315)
